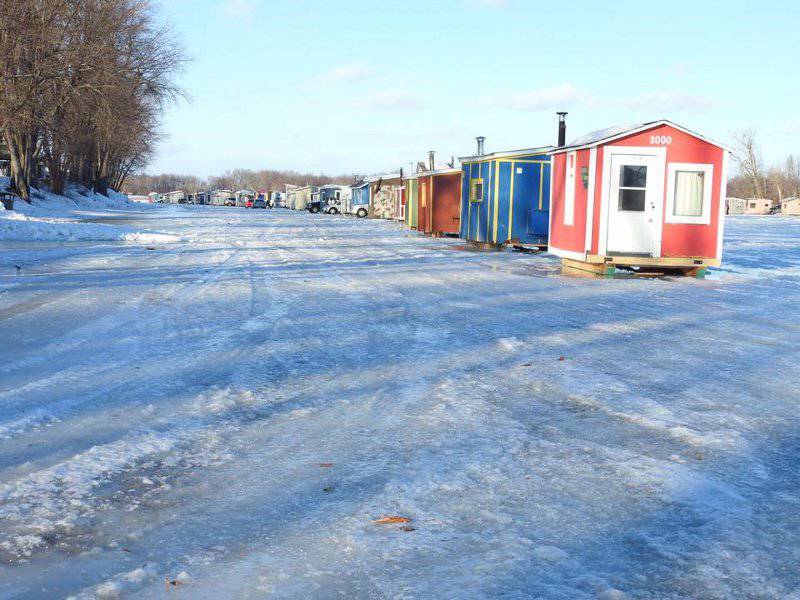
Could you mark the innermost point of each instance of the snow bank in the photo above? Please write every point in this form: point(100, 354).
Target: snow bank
point(16, 226)
point(53, 218)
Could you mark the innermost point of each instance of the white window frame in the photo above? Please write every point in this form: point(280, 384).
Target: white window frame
point(569, 188)
point(708, 180)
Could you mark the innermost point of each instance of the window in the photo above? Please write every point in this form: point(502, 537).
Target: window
point(476, 192)
point(632, 188)
point(689, 193)
point(569, 191)
point(752, 205)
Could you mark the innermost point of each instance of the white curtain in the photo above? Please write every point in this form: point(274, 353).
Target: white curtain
point(689, 193)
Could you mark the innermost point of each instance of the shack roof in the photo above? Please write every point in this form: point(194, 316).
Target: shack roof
point(439, 171)
point(602, 136)
point(388, 177)
point(506, 154)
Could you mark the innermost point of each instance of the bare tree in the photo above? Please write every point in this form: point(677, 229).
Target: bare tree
point(748, 157)
point(82, 86)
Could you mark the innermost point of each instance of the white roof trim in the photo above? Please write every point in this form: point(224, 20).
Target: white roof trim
point(375, 178)
point(447, 171)
point(634, 130)
point(506, 153)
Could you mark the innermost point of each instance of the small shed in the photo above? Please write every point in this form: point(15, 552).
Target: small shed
point(299, 198)
point(758, 206)
point(735, 206)
point(176, 197)
point(439, 201)
point(221, 198)
point(505, 196)
point(386, 196)
point(411, 185)
point(790, 206)
point(650, 196)
point(359, 203)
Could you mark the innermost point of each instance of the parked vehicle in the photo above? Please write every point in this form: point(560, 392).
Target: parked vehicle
point(259, 202)
point(277, 200)
point(328, 199)
point(243, 196)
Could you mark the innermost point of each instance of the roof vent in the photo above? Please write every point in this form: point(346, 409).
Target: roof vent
point(562, 128)
point(481, 141)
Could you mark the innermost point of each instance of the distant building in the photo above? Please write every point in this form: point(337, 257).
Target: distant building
point(790, 206)
point(758, 206)
point(298, 198)
point(736, 206)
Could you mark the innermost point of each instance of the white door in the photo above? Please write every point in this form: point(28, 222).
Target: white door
point(634, 208)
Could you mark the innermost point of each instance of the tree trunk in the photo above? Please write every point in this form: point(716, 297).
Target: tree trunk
point(19, 151)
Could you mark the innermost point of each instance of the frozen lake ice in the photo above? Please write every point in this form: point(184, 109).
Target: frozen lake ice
point(226, 410)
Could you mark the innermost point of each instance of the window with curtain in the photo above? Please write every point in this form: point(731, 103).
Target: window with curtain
point(689, 188)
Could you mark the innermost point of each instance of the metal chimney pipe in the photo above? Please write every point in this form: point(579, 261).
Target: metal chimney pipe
point(481, 141)
point(562, 128)
point(431, 160)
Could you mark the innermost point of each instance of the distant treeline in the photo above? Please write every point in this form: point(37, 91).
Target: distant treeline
point(755, 180)
point(236, 179)
point(82, 86)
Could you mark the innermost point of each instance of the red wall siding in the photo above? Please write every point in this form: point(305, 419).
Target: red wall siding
point(424, 204)
point(446, 209)
point(568, 237)
point(678, 239)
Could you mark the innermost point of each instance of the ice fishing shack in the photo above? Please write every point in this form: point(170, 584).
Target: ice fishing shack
point(386, 196)
point(647, 196)
point(505, 196)
point(359, 204)
point(411, 185)
point(439, 198)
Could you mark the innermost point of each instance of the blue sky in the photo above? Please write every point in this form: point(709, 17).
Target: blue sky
point(369, 86)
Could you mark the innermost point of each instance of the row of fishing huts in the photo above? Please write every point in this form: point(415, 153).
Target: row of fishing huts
point(242, 198)
point(646, 196)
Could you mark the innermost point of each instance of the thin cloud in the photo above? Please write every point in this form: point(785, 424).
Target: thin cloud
point(568, 96)
point(488, 3)
point(668, 102)
point(344, 73)
point(792, 128)
point(238, 9)
point(556, 96)
point(390, 100)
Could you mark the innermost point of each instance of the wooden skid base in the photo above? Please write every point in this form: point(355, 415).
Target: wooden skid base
point(530, 247)
point(645, 267)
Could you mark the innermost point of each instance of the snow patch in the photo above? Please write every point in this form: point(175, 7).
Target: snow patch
point(119, 585)
point(550, 553)
point(510, 345)
point(52, 500)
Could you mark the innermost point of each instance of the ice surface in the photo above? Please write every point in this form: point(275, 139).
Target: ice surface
point(226, 414)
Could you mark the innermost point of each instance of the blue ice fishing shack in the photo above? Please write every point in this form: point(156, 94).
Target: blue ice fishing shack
point(359, 202)
point(505, 196)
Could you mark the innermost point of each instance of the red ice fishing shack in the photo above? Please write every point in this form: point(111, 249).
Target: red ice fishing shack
point(439, 199)
point(650, 196)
